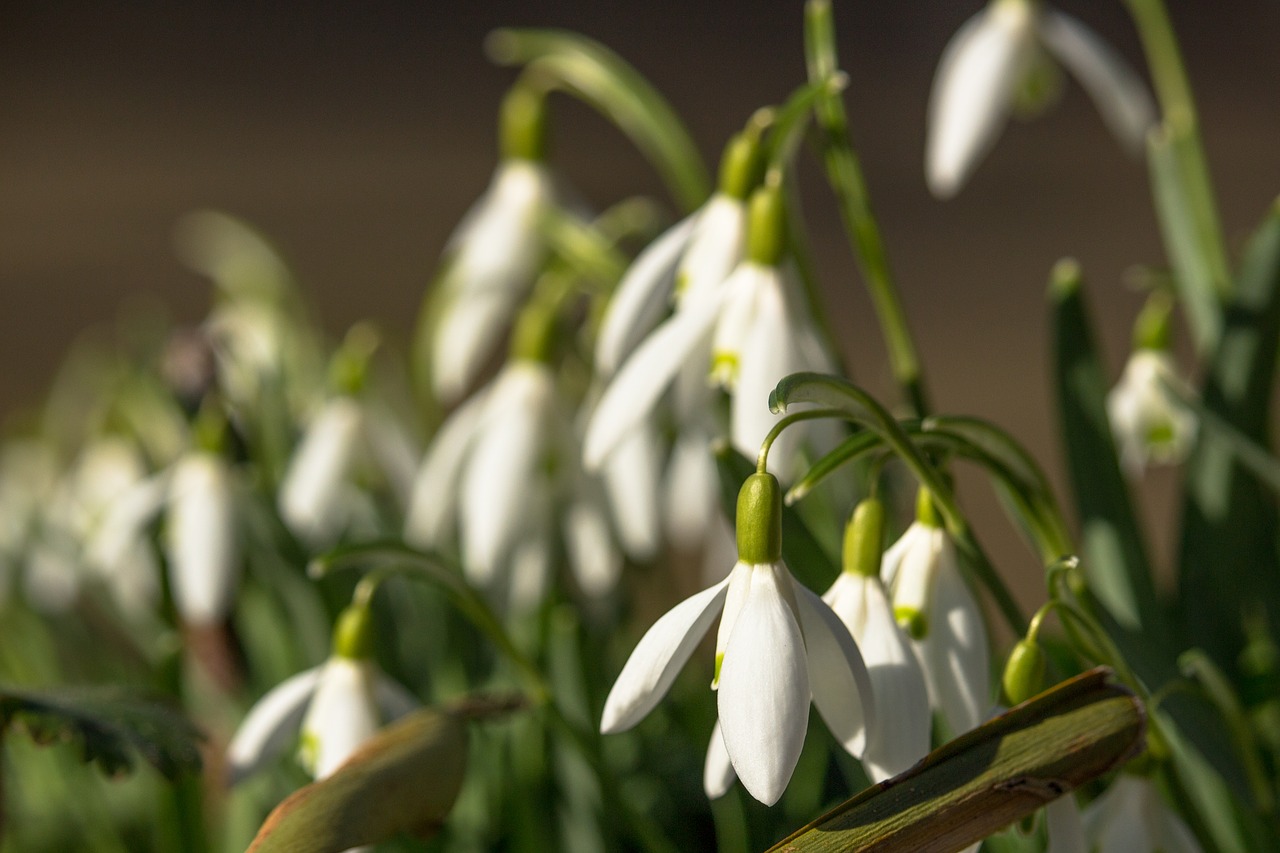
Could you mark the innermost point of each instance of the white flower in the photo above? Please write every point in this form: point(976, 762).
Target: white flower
point(332, 708)
point(897, 681)
point(495, 473)
point(942, 618)
point(692, 256)
point(1149, 422)
point(313, 497)
point(200, 538)
point(1063, 826)
point(1130, 817)
point(491, 261)
point(988, 61)
point(778, 648)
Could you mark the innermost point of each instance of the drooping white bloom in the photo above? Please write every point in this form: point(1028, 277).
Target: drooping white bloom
point(493, 480)
point(778, 648)
point(312, 498)
point(987, 63)
point(1149, 422)
point(490, 264)
point(897, 681)
point(944, 622)
point(200, 541)
point(1130, 817)
point(330, 709)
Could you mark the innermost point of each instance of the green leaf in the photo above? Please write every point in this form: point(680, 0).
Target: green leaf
point(598, 76)
point(1199, 270)
point(1115, 557)
point(109, 725)
point(1228, 550)
point(986, 779)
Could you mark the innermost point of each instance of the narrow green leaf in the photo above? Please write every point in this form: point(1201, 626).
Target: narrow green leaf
point(108, 724)
point(1115, 558)
point(595, 74)
point(1228, 550)
point(986, 779)
point(1198, 274)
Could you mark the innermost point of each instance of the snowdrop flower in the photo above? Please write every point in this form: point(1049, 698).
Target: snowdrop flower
point(692, 256)
point(200, 538)
point(778, 648)
point(897, 682)
point(1149, 421)
point(988, 63)
point(753, 325)
point(330, 709)
point(944, 622)
point(495, 253)
point(1130, 817)
point(498, 474)
point(313, 496)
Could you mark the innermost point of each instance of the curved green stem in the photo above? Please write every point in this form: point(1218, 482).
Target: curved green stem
point(596, 75)
point(762, 458)
point(844, 173)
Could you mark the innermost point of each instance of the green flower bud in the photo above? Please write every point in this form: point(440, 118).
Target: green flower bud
point(1153, 328)
point(522, 133)
point(926, 512)
point(767, 227)
point(1024, 671)
point(534, 335)
point(760, 520)
point(353, 633)
point(862, 538)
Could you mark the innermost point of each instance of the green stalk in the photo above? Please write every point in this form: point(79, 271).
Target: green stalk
point(1182, 124)
point(844, 172)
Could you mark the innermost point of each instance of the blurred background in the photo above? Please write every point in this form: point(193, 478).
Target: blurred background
point(355, 136)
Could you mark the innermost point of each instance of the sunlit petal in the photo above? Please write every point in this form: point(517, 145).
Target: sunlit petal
point(341, 716)
point(432, 509)
point(764, 689)
point(717, 770)
point(955, 654)
point(271, 725)
point(658, 658)
point(632, 477)
point(842, 688)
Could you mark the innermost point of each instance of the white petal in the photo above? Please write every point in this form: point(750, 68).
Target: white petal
point(465, 338)
point(736, 325)
point(842, 689)
point(1121, 96)
point(311, 491)
point(394, 448)
point(769, 354)
point(529, 574)
point(595, 562)
point(739, 586)
point(715, 247)
point(658, 658)
point(271, 724)
point(955, 654)
point(764, 689)
point(631, 480)
point(341, 716)
point(1064, 827)
point(1116, 820)
point(973, 91)
point(204, 560)
point(691, 491)
point(897, 682)
point(646, 374)
point(717, 771)
point(502, 477)
point(433, 506)
point(641, 297)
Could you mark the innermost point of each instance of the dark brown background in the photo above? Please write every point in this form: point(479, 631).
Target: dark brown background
point(355, 135)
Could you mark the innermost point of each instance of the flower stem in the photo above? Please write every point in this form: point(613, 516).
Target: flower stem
point(844, 172)
point(1182, 124)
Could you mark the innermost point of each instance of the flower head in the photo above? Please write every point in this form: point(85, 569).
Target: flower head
point(778, 648)
point(944, 622)
point(201, 540)
point(990, 61)
point(330, 709)
point(1149, 422)
point(897, 682)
